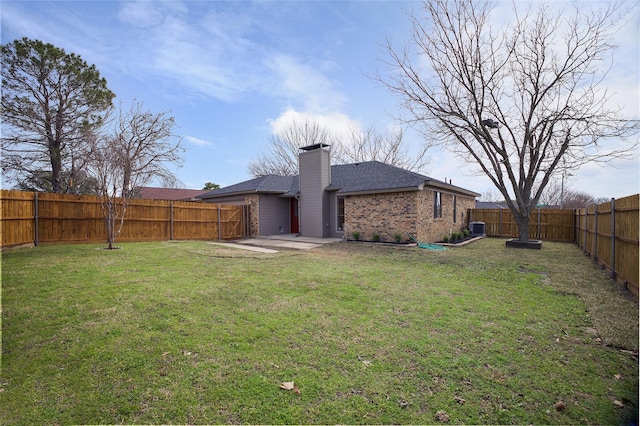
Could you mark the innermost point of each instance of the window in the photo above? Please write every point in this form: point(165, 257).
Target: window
point(437, 204)
point(455, 211)
point(340, 213)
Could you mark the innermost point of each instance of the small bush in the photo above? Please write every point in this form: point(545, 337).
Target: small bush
point(376, 237)
point(465, 233)
point(445, 239)
point(397, 238)
point(356, 235)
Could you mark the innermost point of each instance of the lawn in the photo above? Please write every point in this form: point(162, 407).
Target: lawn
point(190, 332)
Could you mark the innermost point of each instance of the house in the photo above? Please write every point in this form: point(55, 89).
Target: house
point(370, 198)
point(490, 205)
point(151, 193)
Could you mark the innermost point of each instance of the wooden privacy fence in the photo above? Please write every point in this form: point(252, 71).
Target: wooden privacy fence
point(545, 224)
point(609, 232)
point(28, 217)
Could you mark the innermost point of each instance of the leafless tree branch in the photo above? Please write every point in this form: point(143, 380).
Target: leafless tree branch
point(135, 147)
point(524, 102)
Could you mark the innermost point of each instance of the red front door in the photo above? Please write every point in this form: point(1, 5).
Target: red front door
point(295, 223)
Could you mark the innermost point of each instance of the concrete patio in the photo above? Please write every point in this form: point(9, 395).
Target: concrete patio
point(271, 243)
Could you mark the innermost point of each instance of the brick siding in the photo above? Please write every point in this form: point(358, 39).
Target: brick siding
point(432, 229)
point(403, 213)
point(253, 201)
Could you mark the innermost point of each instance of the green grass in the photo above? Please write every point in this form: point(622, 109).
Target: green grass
point(196, 333)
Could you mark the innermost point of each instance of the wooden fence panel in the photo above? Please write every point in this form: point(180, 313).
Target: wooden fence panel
point(196, 221)
point(68, 218)
point(146, 220)
point(28, 217)
point(231, 221)
point(545, 224)
point(612, 239)
point(627, 244)
point(17, 217)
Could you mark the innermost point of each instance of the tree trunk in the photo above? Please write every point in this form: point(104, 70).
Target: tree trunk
point(56, 169)
point(522, 220)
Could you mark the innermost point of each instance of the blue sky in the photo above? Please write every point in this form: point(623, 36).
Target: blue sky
point(233, 72)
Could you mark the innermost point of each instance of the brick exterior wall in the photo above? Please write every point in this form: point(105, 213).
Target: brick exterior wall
point(382, 214)
point(432, 229)
point(404, 213)
point(253, 201)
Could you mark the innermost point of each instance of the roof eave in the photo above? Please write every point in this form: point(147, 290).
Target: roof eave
point(451, 188)
point(226, 194)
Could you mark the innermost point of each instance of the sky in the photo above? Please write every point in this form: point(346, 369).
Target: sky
point(233, 73)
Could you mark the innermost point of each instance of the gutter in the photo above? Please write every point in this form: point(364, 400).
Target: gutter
point(451, 188)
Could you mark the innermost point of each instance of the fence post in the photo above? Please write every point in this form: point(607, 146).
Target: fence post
point(171, 220)
point(501, 223)
point(219, 230)
point(539, 225)
point(36, 223)
point(584, 240)
point(595, 232)
point(613, 238)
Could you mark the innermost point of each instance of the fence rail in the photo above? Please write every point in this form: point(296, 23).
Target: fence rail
point(36, 218)
point(608, 232)
point(545, 224)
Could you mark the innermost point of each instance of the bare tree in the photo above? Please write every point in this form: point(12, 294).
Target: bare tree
point(281, 158)
point(49, 98)
point(137, 149)
point(514, 100)
point(559, 194)
point(367, 144)
point(492, 196)
point(370, 144)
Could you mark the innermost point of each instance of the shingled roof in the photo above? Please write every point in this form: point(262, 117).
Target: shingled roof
point(365, 177)
point(373, 176)
point(264, 184)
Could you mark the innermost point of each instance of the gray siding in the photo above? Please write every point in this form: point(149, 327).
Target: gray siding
point(315, 176)
point(274, 214)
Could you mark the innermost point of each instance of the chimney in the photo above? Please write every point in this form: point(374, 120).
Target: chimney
point(315, 175)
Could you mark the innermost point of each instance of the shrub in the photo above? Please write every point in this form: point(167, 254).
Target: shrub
point(376, 237)
point(445, 239)
point(397, 237)
point(356, 235)
point(465, 233)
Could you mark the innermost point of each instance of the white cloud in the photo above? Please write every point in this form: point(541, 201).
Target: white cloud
point(198, 141)
point(336, 123)
point(140, 14)
point(305, 85)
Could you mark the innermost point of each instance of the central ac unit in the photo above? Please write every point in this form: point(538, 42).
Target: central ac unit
point(477, 228)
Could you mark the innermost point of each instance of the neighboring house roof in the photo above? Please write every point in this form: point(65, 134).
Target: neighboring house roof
point(356, 178)
point(151, 193)
point(489, 205)
point(265, 184)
